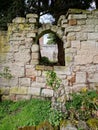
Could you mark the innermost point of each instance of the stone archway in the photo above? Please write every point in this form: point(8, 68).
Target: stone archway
point(48, 28)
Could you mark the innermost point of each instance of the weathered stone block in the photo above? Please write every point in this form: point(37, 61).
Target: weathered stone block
point(39, 67)
point(24, 82)
point(83, 59)
point(31, 16)
point(87, 45)
point(93, 36)
point(22, 97)
point(93, 78)
point(19, 90)
point(22, 57)
point(32, 20)
point(30, 72)
point(18, 20)
point(68, 44)
point(35, 62)
point(75, 44)
point(38, 85)
point(4, 90)
point(88, 28)
point(17, 70)
point(81, 22)
point(35, 48)
point(71, 36)
point(62, 70)
point(77, 16)
point(40, 79)
point(81, 36)
point(81, 77)
point(73, 29)
point(34, 91)
point(35, 56)
point(95, 59)
point(31, 35)
point(72, 22)
point(47, 92)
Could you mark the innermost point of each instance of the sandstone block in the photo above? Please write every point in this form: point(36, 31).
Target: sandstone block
point(5, 97)
point(93, 78)
point(17, 70)
point(4, 90)
point(95, 59)
point(24, 82)
point(71, 36)
point(92, 21)
point(54, 28)
point(35, 48)
point(83, 59)
point(87, 45)
point(93, 36)
point(73, 29)
point(18, 20)
point(81, 22)
point(31, 35)
point(30, 72)
point(22, 56)
point(34, 91)
point(40, 67)
point(77, 16)
point(88, 28)
point(81, 36)
point(72, 22)
point(22, 97)
point(68, 44)
point(47, 93)
point(32, 20)
point(19, 90)
point(31, 16)
point(75, 44)
point(35, 56)
point(40, 79)
point(81, 77)
point(35, 62)
point(38, 85)
point(78, 87)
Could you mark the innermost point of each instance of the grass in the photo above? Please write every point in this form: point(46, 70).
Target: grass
point(23, 113)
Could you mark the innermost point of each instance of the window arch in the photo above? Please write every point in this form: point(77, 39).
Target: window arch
point(55, 53)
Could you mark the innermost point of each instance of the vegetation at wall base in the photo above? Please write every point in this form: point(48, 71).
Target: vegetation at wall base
point(82, 107)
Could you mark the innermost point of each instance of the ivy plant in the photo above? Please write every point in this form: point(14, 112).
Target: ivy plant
point(52, 80)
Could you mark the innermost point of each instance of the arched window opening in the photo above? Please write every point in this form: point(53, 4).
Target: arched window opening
point(51, 50)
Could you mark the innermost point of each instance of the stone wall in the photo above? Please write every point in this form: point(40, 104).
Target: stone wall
point(20, 52)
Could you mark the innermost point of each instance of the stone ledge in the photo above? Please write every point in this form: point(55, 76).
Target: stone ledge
point(43, 67)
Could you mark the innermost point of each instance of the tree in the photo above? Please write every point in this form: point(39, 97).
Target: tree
point(10, 9)
point(96, 2)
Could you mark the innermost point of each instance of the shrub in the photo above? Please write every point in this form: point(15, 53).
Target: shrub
point(83, 105)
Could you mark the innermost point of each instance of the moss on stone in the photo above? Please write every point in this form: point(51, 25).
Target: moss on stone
point(67, 59)
point(93, 123)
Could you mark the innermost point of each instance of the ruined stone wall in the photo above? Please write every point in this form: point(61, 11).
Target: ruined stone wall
point(79, 32)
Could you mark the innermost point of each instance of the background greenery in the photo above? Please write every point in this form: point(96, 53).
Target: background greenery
point(10, 9)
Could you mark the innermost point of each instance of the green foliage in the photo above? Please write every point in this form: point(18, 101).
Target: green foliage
point(23, 113)
point(52, 80)
point(6, 73)
point(83, 105)
point(10, 9)
point(52, 38)
point(44, 61)
point(55, 117)
point(93, 123)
